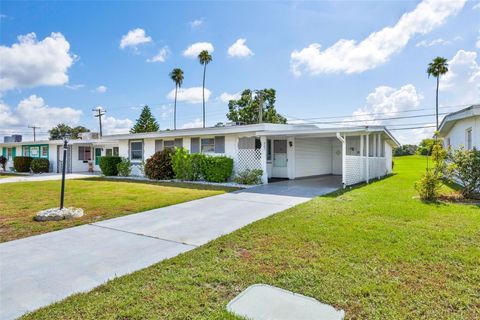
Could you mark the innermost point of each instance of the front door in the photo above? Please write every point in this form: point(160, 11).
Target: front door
point(280, 159)
point(98, 154)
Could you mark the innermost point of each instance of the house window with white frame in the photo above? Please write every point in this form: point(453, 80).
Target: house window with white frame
point(207, 145)
point(44, 151)
point(468, 138)
point(84, 153)
point(136, 150)
point(26, 151)
point(169, 144)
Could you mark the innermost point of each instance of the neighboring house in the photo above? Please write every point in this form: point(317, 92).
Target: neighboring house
point(82, 155)
point(462, 128)
point(280, 150)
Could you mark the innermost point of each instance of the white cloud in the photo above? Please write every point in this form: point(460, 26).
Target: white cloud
point(436, 42)
point(477, 44)
point(161, 56)
point(197, 123)
point(74, 86)
point(134, 38)
point(239, 49)
point(31, 63)
point(463, 78)
point(189, 95)
point(111, 125)
point(196, 23)
point(101, 89)
point(477, 6)
point(350, 56)
point(7, 118)
point(166, 110)
point(193, 50)
point(226, 97)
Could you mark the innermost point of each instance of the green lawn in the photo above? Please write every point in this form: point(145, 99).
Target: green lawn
point(375, 251)
point(101, 199)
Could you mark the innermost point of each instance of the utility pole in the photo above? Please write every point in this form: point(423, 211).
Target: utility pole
point(100, 112)
point(260, 105)
point(34, 131)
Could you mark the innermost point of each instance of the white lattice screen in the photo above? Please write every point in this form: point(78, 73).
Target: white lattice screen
point(248, 159)
point(354, 167)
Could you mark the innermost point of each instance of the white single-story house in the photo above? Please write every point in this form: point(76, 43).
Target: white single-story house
point(82, 154)
point(289, 151)
point(462, 128)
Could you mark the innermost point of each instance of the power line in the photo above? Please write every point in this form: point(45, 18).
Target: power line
point(410, 128)
point(34, 131)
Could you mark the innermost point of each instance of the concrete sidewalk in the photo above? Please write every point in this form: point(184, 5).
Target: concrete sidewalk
point(40, 270)
point(47, 177)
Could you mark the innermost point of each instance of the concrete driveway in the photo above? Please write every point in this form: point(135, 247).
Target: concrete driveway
point(40, 270)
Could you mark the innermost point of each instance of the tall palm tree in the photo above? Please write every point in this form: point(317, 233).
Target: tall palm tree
point(205, 58)
point(437, 68)
point(177, 76)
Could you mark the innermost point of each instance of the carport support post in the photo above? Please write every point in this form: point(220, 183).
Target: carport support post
point(263, 159)
point(367, 154)
point(343, 140)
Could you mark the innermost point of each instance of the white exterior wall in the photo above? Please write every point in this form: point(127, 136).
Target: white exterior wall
point(336, 156)
point(313, 156)
point(52, 157)
point(123, 148)
point(457, 134)
point(388, 157)
point(80, 165)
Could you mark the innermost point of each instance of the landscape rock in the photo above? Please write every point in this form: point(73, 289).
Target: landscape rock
point(56, 214)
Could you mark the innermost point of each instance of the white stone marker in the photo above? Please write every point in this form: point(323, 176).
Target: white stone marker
point(264, 302)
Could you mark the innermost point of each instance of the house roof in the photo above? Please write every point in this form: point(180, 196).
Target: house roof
point(56, 142)
point(450, 119)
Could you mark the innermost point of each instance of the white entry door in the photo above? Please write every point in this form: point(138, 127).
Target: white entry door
point(280, 159)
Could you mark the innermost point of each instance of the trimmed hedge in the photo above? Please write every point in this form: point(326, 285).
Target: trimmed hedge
point(249, 177)
point(217, 169)
point(22, 164)
point(187, 166)
point(159, 166)
point(124, 168)
point(108, 165)
point(40, 165)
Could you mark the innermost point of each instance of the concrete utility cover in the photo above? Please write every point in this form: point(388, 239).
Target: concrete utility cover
point(264, 302)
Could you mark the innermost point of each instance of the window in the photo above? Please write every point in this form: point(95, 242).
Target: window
point(26, 152)
point(108, 152)
point(170, 144)
point(84, 153)
point(468, 138)
point(34, 152)
point(115, 151)
point(208, 145)
point(269, 150)
point(136, 150)
point(44, 151)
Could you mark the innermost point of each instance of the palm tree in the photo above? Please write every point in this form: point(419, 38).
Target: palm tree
point(436, 68)
point(177, 76)
point(205, 58)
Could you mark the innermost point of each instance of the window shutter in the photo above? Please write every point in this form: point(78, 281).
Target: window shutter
point(220, 144)
point(14, 152)
point(194, 145)
point(178, 143)
point(158, 145)
point(4, 151)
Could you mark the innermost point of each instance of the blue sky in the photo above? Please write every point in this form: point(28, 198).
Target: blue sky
point(294, 47)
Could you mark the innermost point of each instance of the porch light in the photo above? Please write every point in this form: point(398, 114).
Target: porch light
point(290, 143)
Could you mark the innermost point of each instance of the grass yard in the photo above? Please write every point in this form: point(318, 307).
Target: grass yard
point(375, 251)
point(101, 199)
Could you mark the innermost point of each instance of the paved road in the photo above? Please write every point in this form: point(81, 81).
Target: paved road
point(47, 177)
point(40, 270)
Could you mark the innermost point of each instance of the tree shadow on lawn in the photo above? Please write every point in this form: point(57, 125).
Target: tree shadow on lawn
point(185, 185)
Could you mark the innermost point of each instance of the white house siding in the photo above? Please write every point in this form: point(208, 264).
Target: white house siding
point(81, 165)
point(388, 156)
point(457, 135)
point(313, 156)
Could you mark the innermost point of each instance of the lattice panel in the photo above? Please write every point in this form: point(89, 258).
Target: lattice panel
point(354, 169)
point(248, 159)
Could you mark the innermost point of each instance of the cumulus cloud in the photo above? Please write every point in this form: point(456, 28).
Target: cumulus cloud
point(463, 78)
point(196, 23)
point(134, 38)
point(111, 125)
point(436, 42)
point(197, 123)
point(350, 56)
point(477, 6)
point(194, 49)
point(226, 97)
point(101, 89)
point(477, 44)
point(161, 56)
point(239, 49)
point(189, 95)
point(31, 63)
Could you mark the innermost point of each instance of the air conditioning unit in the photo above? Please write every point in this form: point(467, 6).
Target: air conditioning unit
point(89, 135)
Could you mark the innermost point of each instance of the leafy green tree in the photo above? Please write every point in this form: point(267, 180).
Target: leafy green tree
point(437, 68)
point(59, 131)
point(426, 145)
point(464, 166)
point(204, 58)
point(146, 122)
point(405, 150)
point(245, 109)
point(177, 76)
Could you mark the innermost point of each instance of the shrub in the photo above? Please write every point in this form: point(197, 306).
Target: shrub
point(3, 162)
point(429, 185)
point(124, 167)
point(465, 169)
point(22, 164)
point(217, 169)
point(40, 165)
point(187, 166)
point(249, 177)
point(108, 165)
point(159, 166)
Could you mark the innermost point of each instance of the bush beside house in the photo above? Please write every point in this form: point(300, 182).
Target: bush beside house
point(40, 165)
point(22, 164)
point(124, 168)
point(249, 177)
point(217, 169)
point(3, 162)
point(159, 166)
point(465, 169)
point(108, 165)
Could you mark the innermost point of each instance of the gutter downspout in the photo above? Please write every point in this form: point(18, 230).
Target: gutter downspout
point(344, 153)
